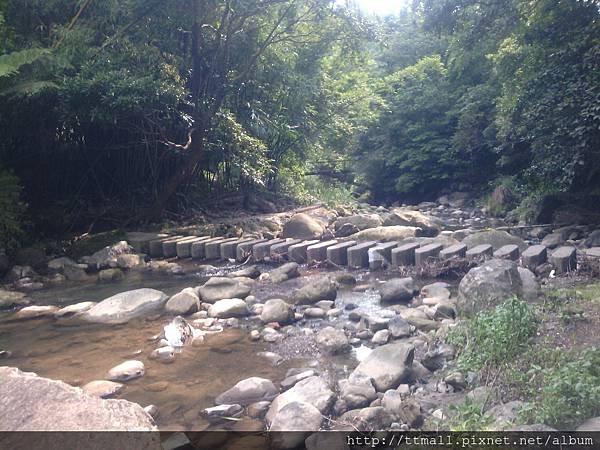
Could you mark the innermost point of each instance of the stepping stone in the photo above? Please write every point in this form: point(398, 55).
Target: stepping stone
point(593, 252)
point(381, 253)
point(281, 250)
point(229, 249)
point(184, 247)
point(508, 252)
point(454, 251)
point(213, 249)
point(338, 254)
point(318, 252)
point(140, 241)
point(422, 254)
point(169, 247)
point(156, 246)
point(358, 256)
point(261, 251)
point(244, 250)
point(199, 248)
point(564, 259)
point(404, 255)
point(480, 251)
point(534, 256)
point(297, 252)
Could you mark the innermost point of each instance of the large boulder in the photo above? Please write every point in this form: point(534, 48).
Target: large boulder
point(367, 419)
point(398, 290)
point(248, 391)
point(332, 341)
point(394, 233)
point(489, 285)
point(303, 226)
point(123, 307)
point(229, 307)
point(321, 289)
point(360, 221)
point(184, 302)
point(388, 366)
point(495, 238)
point(277, 310)
point(431, 226)
point(312, 390)
point(32, 403)
point(357, 393)
point(107, 257)
point(297, 420)
point(218, 288)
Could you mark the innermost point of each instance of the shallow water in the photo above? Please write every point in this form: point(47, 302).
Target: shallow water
point(78, 353)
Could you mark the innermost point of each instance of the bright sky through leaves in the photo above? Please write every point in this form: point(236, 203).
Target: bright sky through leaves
point(379, 7)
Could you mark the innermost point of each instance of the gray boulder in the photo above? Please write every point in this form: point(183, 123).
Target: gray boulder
point(229, 307)
point(277, 310)
point(367, 419)
point(388, 366)
point(107, 257)
point(297, 420)
point(487, 286)
point(303, 226)
point(360, 221)
point(399, 327)
point(284, 272)
point(123, 307)
point(358, 392)
point(218, 288)
point(495, 238)
point(321, 289)
point(184, 302)
point(32, 403)
point(332, 341)
point(398, 290)
point(248, 391)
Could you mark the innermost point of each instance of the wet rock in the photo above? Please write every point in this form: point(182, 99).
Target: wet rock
point(254, 335)
point(495, 238)
point(34, 312)
point(388, 365)
point(165, 354)
point(123, 307)
point(184, 302)
point(247, 272)
point(102, 388)
point(58, 264)
point(398, 290)
point(151, 410)
point(358, 392)
point(332, 341)
point(218, 288)
point(487, 286)
point(334, 312)
point(75, 309)
point(303, 226)
point(277, 310)
point(313, 390)
point(28, 401)
point(248, 391)
point(291, 380)
point(230, 307)
point(366, 419)
point(297, 419)
point(373, 322)
point(219, 413)
point(107, 257)
point(127, 370)
point(284, 272)
point(320, 289)
point(381, 337)
point(325, 304)
point(9, 299)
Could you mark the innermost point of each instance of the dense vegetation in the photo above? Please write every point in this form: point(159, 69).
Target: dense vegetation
point(113, 110)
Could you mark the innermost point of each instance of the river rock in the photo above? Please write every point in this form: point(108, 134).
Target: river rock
point(102, 388)
point(123, 307)
point(332, 341)
point(593, 239)
point(298, 420)
point(33, 312)
point(252, 272)
point(18, 272)
point(320, 289)
point(130, 261)
point(71, 310)
point(127, 370)
point(58, 264)
point(218, 413)
point(164, 354)
point(380, 337)
point(229, 307)
point(248, 391)
point(359, 221)
point(218, 288)
point(314, 313)
point(277, 310)
point(402, 216)
point(107, 257)
point(388, 366)
point(395, 233)
point(312, 390)
point(32, 403)
point(487, 286)
point(358, 392)
point(9, 299)
point(110, 275)
point(284, 272)
point(495, 238)
point(291, 380)
point(398, 290)
point(367, 419)
point(399, 327)
point(303, 226)
point(531, 287)
point(184, 302)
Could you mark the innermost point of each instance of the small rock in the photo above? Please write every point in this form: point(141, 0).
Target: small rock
point(127, 370)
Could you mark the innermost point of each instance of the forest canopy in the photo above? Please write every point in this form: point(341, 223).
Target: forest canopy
point(132, 108)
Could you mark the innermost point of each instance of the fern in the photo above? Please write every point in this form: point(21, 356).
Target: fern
point(10, 63)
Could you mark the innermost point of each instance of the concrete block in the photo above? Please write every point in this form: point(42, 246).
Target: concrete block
point(534, 256)
point(422, 254)
point(510, 251)
point(564, 259)
point(381, 255)
point(184, 246)
point(454, 251)
point(338, 254)
point(244, 250)
point(480, 252)
point(281, 250)
point(358, 256)
point(404, 255)
point(199, 247)
point(318, 252)
point(297, 252)
point(262, 250)
point(229, 249)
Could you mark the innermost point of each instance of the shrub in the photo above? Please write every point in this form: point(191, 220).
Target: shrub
point(11, 212)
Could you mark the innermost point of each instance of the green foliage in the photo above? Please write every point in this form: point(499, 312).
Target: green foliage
point(11, 212)
point(11, 63)
point(468, 416)
point(493, 338)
